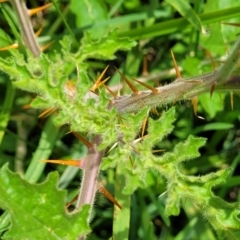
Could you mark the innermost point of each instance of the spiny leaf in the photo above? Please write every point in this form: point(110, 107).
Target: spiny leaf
point(38, 210)
point(141, 152)
point(130, 125)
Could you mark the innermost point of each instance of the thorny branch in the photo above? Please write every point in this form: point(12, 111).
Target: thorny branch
point(181, 89)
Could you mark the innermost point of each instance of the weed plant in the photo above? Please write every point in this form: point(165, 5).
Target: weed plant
point(138, 103)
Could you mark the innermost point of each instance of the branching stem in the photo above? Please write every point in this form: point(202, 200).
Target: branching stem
point(182, 89)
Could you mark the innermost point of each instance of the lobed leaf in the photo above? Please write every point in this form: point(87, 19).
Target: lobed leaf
point(38, 210)
point(105, 47)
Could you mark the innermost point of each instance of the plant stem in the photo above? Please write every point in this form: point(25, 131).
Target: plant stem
point(90, 173)
point(27, 33)
point(91, 168)
point(181, 89)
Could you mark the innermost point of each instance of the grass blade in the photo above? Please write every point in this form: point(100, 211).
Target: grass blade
point(187, 12)
point(6, 108)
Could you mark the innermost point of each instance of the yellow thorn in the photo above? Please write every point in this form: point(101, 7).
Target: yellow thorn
point(43, 48)
point(195, 104)
point(47, 112)
point(16, 45)
point(72, 201)
point(133, 88)
point(119, 90)
point(155, 90)
point(108, 195)
point(144, 124)
point(100, 84)
point(113, 146)
point(38, 32)
point(83, 140)
point(211, 59)
point(212, 89)
point(110, 91)
point(75, 163)
point(145, 66)
point(231, 99)
point(176, 66)
point(98, 80)
point(140, 139)
point(38, 9)
point(13, 46)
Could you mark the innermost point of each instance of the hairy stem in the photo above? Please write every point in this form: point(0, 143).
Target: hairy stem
point(181, 89)
point(91, 168)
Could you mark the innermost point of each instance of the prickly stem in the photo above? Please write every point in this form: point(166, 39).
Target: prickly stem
point(91, 168)
point(182, 89)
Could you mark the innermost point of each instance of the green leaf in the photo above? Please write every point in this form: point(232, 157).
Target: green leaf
point(37, 210)
point(140, 154)
point(212, 104)
point(187, 12)
point(5, 112)
point(158, 129)
point(189, 149)
point(213, 40)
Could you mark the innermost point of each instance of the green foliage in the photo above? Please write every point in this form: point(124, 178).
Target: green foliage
point(89, 12)
point(103, 48)
point(187, 12)
point(37, 210)
point(152, 174)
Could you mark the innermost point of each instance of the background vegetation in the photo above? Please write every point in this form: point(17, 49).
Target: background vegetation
point(135, 37)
